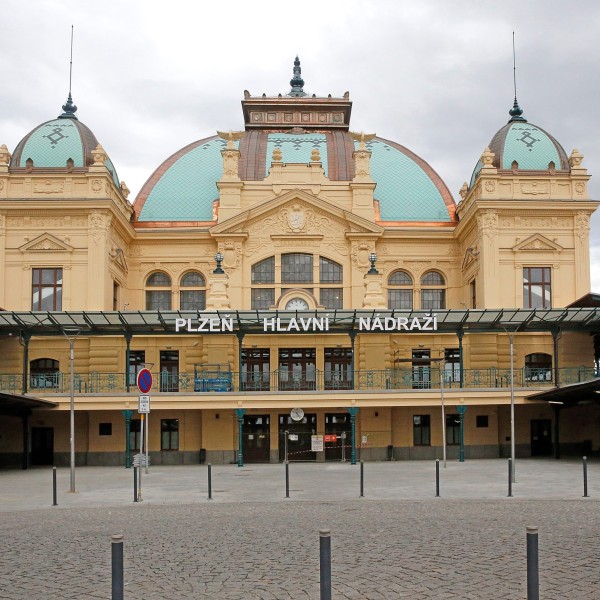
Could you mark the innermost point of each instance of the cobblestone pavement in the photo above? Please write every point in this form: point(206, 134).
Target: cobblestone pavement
point(417, 549)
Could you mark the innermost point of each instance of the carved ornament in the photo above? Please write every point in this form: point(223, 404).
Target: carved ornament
point(48, 186)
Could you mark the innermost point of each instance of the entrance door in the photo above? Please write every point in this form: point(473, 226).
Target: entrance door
point(541, 437)
point(169, 370)
point(297, 368)
point(256, 442)
point(42, 445)
point(338, 424)
point(256, 367)
point(299, 437)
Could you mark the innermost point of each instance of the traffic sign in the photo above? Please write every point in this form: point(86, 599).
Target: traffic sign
point(144, 404)
point(144, 381)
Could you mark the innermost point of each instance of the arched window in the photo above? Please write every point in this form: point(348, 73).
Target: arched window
point(192, 295)
point(156, 298)
point(400, 290)
point(538, 367)
point(433, 293)
point(44, 373)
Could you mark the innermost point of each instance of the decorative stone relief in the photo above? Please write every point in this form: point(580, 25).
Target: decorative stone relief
point(99, 156)
point(1, 184)
point(232, 253)
point(296, 218)
point(490, 186)
point(48, 186)
point(488, 223)
point(338, 247)
point(96, 185)
point(4, 155)
point(361, 252)
point(418, 266)
point(535, 188)
point(580, 188)
point(582, 224)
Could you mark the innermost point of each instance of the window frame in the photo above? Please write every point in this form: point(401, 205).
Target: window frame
point(38, 286)
point(529, 283)
point(424, 429)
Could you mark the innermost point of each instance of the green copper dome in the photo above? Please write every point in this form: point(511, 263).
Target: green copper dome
point(53, 143)
point(527, 145)
point(184, 187)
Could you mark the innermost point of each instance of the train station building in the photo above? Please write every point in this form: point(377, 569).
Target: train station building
point(298, 290)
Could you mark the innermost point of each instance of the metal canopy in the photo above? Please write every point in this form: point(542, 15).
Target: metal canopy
point(571, 395)
point(16, 404)
point(105, 323)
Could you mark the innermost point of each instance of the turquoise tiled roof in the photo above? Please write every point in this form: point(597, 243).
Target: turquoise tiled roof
point(187, 189)
point(53, 143)
point(530, 146)
point(296, 148)
point(404, 190)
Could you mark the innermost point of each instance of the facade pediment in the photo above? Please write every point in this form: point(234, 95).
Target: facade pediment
point(295, 213)
point(537, 242)
point(44, 243)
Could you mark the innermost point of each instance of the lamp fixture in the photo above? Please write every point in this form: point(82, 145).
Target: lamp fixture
point(219, 260)
point(373, 270)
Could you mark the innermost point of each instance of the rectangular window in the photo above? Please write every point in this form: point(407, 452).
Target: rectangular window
point(134, 434)
point(169, 434)
point(193, 299)
point(452, 430)
point(481, 421)
point(338, 363)
point(400, 299)
point(433, 299)
point(421, 430)
point(332, 298)
point(296, 268)
point(115, 295)
point(256, 368)
point(156, 300)
point(105, 429)
point(537, 288)
point(46, 289)
point(473, 287)
point(262, 298)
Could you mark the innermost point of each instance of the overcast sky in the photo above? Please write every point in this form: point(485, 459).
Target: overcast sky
point(150, 76)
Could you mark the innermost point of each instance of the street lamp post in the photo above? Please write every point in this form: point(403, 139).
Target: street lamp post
point(511, 336)
point(71, 335)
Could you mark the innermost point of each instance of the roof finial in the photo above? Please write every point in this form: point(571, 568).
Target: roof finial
point(69, 107)
point(297, 82)
point(516, 111)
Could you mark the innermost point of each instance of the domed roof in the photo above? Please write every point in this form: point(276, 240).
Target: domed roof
point(53, 143)
point(530, 146)
point(184, 187)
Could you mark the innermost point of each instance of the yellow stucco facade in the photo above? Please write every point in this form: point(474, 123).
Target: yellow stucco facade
point(77, 221)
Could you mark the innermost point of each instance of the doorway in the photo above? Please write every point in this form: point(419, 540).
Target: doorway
point(169, 370)
point(338, 424)
point(541, 437)
point(42, 445)
point(299, 437)
point(297, 368)
point(256, 439)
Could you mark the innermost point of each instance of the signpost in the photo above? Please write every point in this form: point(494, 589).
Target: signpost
point(144, 383)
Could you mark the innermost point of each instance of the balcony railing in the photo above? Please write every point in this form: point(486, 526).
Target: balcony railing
point(284, 381)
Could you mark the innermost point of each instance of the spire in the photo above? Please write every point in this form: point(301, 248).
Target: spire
point(297, 82)
point(515, 112)
point(69, 108)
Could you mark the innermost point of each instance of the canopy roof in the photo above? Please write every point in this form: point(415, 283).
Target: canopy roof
point(339, 321)
point(17, 404)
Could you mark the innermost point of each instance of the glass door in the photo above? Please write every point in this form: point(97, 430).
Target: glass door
point(256, 439)
point(169, 370)
point(297, 368)
point(256, 369)
point(299, 442)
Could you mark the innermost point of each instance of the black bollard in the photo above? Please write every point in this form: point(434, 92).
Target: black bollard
point(135, 497)
point(533, 574)
point(209, 481)
point(287, 479)
point(510, 478)
point(54, 499)
point(325, 562)
point(362, 478)
point(117, 566)
point(437, 477)
point(585, 491)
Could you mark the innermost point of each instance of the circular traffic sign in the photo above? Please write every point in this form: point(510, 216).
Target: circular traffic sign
point(144, 381)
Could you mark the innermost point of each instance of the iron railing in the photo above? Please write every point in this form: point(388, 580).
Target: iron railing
point(284, 381)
